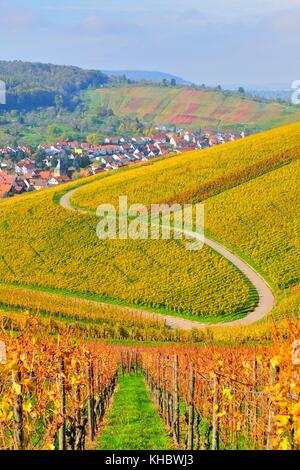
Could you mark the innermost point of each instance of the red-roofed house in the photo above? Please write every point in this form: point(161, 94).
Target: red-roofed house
point(5, 189)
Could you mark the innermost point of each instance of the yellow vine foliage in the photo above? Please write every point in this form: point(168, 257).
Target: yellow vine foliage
point(43, 245)
point(234, 384)
point(85, 318)
point(263, 223)
point(195, 176)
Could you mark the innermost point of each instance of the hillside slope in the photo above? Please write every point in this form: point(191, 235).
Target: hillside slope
point(198, 175)
point(251, 195)
point(184, 107)
point(60, 250)
point(44, 245)
point(263, 223)
point(33, 85)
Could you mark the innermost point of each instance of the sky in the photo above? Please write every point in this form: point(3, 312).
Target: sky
point(204, 41)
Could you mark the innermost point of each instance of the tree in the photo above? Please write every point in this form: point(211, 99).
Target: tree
point(93, 139)
point(242, 90)
point(39, 158)
point(58, 102)
point(54, 130)
point(82, 161)
point(76, 175)
point(173, 82)
point(54, 162)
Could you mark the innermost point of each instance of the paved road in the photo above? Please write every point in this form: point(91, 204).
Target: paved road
point(266, 297)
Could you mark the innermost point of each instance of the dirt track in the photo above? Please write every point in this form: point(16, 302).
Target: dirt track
point(266, 297)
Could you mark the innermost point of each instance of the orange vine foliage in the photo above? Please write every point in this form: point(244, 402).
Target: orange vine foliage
point(253, 393)
point(244, 397)
point(30, 393)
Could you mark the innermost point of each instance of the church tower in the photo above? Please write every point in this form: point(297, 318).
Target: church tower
point(57, 171)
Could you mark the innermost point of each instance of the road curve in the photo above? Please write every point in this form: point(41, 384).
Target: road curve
point(265, 294)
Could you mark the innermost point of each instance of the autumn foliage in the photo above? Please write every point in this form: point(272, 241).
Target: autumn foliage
point(232, 397)
point(45, 388)
point(235, 397)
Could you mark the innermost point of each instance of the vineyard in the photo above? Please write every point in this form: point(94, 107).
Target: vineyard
point(184, 107)
point(54, 394)
point(90, 320)
point(88, 356)
point(268, 184)
point(196, 175)
point(85, 319)
point(272, 242)
point(51, 390)
point(60, 250)
point(233, 398)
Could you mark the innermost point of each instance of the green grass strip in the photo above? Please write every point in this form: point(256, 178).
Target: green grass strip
point(133, 422)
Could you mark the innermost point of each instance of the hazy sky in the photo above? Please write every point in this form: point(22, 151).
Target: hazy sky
point(210, 41)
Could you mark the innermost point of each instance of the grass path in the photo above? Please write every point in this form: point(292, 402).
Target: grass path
point(133, 422)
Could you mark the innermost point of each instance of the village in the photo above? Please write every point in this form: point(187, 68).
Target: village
point(24, 168)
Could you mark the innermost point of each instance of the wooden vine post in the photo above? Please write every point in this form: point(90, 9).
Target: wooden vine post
point(191, 408)
point(159, 391)
point(121, 363)
point(18, 412)
point(175, 400)
point(3, 355)
point(91, 394)
point(130, 363)
point(274, 372)
point(62, 386)
point(296, 376)
point(215, 424)
point(136, 363)
point(77, 397)
point(253, 408)
point(164, 392)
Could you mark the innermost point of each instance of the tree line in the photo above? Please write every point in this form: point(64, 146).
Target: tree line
point(34, 85)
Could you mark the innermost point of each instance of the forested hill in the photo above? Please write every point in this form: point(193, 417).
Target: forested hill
point(31, 85)
point(138, 75)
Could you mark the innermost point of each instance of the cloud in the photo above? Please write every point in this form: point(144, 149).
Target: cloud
point(193, 15)
point(286, 21)
point(21, 20)
point(92, 23)
point(211, 41)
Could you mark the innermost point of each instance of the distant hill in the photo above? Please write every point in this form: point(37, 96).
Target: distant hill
point(275, 92)
point(66, 89)
point(193, 108)
point(137, 75)
point(31, 85)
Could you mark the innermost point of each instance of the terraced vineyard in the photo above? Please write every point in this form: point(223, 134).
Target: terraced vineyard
point(270, 241)
point(197, 175)
point(60, 250)
point(184, 107)
point(236, 388)
point(263, 223)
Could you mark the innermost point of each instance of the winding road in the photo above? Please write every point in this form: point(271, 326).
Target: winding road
point(266, 297)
